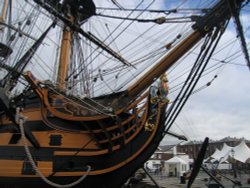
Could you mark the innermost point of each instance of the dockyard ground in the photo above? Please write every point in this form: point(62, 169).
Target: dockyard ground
point(202, 181)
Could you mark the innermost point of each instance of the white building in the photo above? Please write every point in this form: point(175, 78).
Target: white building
point(166, 161)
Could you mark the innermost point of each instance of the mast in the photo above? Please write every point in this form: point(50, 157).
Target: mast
point(5, 50)
point(3, 11)
point(64, 60)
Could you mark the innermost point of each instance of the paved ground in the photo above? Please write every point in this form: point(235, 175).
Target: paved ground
point(201, 181)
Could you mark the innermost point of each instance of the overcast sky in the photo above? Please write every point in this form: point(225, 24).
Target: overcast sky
point(221, 109)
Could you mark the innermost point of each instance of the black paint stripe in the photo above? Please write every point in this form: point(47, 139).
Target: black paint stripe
point(33, 126)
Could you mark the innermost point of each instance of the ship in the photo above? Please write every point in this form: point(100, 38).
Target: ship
point(84, 89)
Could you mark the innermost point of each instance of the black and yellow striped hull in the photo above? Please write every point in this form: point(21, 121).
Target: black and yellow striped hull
point(62, 149)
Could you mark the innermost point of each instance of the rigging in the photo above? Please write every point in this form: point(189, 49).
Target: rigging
point(198, 68)
point(235, 12)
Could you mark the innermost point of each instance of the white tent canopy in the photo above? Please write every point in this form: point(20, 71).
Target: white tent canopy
point(221, 155)
point(216, 155)
point(240, 152)
point(175, 160)
point(176, 166)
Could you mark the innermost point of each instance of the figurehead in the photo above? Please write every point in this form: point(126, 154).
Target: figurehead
point(164, 78)
point(163, 86)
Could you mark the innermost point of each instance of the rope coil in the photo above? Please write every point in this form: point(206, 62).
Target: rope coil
point(20, 119)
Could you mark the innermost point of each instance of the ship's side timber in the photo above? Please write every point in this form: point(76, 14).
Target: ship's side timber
point(112, 179)
point(108, 146)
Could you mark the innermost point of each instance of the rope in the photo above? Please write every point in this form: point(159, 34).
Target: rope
point(159, 20)
point(194, 76)
point(20, 120)
point(94, 109)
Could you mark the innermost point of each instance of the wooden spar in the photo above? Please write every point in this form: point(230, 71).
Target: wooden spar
point(173, 56)
point(64, 58)
point(3, 14)
point(205, 24)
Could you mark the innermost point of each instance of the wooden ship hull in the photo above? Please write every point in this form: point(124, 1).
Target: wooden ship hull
point(63, 141)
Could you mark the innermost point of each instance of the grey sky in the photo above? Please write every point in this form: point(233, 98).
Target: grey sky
point(220, 110)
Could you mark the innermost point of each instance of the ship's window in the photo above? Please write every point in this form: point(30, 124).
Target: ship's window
point(58, 102)
point(15, 138)
point(27, 168)
point(66, 164)
point(55, 140)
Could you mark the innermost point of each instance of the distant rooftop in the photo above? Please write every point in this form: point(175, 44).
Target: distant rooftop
point(165, 148)
point(226, 139)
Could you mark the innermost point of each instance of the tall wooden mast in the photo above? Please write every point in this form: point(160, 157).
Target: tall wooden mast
point(64, 58)
point(3, 11)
